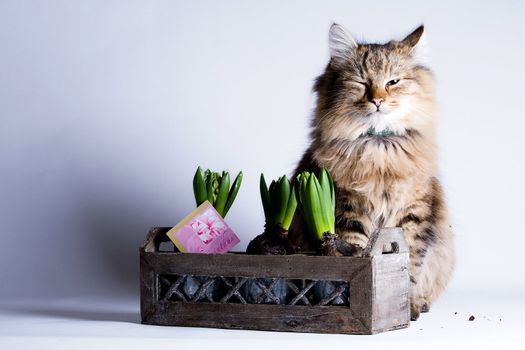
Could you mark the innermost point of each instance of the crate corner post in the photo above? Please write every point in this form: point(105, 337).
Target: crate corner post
point(391, 281)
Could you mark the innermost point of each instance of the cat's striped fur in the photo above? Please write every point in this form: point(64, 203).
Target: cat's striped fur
point(387, 177)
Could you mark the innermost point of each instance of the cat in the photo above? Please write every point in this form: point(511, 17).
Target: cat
point(374, 129)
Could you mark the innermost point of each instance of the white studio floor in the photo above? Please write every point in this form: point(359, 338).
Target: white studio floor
point(77, 323)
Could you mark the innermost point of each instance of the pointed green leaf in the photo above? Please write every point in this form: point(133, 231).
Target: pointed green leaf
point(283, 194)
point(222, 195)
point(332, 190)
point(291, 206)
point(314, 190)
point(265, 197)
point(209, 186)
point(199, 187)
point(233, 193)
point(324, 181)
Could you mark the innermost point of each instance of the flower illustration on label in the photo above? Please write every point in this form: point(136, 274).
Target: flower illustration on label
point(208, 226)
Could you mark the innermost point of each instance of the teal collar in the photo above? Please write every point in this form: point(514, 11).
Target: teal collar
point(386, 132)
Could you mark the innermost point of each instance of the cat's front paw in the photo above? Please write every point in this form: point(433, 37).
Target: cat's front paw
point(425, 307)
point(415, 311)
point(417, 307)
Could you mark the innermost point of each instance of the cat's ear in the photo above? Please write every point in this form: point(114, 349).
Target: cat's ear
point(342, 45)
point(416, 44)
point(413, 38)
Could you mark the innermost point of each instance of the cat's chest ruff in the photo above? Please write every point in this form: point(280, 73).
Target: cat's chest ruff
point(371, 159)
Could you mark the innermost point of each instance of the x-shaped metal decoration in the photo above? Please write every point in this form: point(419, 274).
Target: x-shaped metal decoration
point(203, 291)
point(338, 292)
point(173, 288)
point(267, 291)
point(234, 289)
point(300, 293)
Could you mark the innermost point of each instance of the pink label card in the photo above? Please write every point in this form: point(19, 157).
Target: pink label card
point(203, 231)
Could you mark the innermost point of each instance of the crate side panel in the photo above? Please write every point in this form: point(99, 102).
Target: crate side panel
point(148, 288)
point(391, 306)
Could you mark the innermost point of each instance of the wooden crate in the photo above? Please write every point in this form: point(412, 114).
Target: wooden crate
point(299, 293)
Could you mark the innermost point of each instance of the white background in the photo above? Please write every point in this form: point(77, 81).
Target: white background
point(107, 108)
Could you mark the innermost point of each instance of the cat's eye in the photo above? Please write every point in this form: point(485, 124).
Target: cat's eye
point(392, 82)
point(362, 83)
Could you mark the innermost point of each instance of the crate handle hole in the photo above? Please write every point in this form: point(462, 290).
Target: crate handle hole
point(393, 249)
point(167, 247)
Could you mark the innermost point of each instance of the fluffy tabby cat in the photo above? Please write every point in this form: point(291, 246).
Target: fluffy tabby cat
point(375, 130)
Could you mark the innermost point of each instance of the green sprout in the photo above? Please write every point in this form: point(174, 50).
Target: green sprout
point(279, 202)
point(316, 199)
point(215, 188)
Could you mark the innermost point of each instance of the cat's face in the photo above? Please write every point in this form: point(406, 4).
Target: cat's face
point(378, 87)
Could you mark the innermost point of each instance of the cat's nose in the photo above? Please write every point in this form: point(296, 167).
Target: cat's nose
point(377, 101)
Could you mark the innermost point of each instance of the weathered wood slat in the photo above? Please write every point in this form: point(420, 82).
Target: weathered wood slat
point(286, 266)
point(259, 317)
